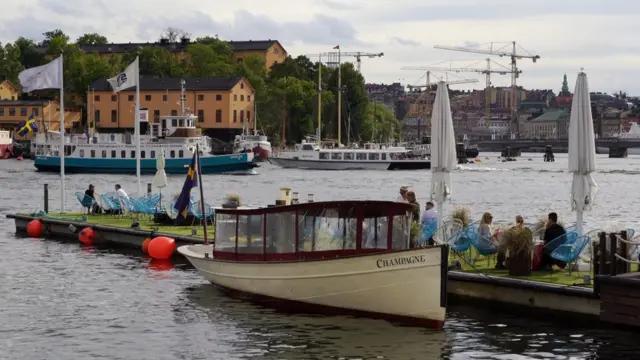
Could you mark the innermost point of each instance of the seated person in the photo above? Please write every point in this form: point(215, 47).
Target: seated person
point(486, 231)
point(553, 231)
point(430, 219)
point(90, 192)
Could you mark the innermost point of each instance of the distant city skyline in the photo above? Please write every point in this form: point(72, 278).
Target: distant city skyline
point(568, 35)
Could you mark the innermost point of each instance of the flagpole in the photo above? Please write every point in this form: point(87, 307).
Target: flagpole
point(61, 151)
point(137, 125)
point(202, 207)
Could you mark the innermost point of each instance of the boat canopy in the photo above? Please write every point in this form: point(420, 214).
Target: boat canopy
point(311, 231)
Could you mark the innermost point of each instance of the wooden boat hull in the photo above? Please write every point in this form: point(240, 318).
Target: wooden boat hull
point(407, 285)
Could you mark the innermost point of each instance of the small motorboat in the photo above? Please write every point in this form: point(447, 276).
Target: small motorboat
point(344, 257)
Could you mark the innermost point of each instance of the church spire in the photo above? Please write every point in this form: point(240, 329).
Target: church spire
point(565, 87)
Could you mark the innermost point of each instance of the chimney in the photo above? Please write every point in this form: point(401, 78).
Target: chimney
point(185, 40)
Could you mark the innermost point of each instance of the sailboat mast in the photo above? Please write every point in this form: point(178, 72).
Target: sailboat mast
point(319, 131)
point(255, 116)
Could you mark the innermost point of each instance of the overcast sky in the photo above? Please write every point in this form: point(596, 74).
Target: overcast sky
point(597, 35)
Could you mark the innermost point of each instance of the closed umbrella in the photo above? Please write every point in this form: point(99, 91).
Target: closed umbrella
point(582, 151)
point(160, 179)
point(443, 148)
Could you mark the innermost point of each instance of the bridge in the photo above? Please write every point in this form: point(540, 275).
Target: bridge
point(617, 147)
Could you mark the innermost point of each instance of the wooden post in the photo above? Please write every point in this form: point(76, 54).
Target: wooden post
point(625, 267)
point(46, 198)
point(599, 261)
point(613, 241)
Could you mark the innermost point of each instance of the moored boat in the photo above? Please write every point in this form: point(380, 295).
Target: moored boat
point(252, 142)
point(6, 144)
point(351, 257)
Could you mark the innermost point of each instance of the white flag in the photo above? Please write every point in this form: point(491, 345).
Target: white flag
point(126, 79)
point(48, 76)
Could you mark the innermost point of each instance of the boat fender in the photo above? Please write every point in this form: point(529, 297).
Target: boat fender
point(87, 236)
point(34, 228)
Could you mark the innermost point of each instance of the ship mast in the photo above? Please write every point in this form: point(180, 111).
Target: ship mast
point(182, 97)
point(319, 131)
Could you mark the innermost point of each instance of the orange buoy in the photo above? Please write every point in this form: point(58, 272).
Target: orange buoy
point(145, 245)
point(34, 228)
point(161, 247)
point(86, 236)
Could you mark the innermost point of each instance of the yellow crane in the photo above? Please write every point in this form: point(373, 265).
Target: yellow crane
point(487, 72)
point(513, 54)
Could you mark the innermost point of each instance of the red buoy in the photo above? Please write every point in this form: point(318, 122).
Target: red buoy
point(19, 158)
point(86, 236)
point(161, 247)
point(145, 245)
point(34, 228)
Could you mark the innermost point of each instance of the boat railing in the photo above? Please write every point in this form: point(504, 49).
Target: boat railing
point(318, 230)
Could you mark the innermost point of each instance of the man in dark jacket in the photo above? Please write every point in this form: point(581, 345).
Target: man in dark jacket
point(554, 231)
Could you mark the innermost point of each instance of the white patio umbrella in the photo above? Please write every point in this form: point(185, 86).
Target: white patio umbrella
point(582, 151)
point(160, 179)
point(443, 149)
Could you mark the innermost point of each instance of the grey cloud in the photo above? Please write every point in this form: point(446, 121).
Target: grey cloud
point(487, 11)
point(404, 42)
point(26, 26)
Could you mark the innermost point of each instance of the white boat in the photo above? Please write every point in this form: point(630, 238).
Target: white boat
point(350, 257)
point(6, 144)
point(308, 155)
point(632, 134)
point(252, 142)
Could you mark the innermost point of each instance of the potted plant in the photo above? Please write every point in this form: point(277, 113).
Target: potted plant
point(519, 242)
point(414, 233)
point(231, 201)
point(461, 213)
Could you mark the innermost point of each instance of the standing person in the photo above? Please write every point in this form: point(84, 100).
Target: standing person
point(429, 221)
point(415, 212)
point(403, 194)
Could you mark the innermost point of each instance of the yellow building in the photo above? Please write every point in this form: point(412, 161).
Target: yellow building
point(271, 50)
point(8, 91)
point(12, 112)
point(223, 105)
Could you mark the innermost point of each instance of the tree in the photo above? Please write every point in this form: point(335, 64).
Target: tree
point(92, 39)
point(379, 124)
point(29, 55)
point(354, 100)
point(173, 35)
point(157, 61)
point(203, 61)
point(10, 65)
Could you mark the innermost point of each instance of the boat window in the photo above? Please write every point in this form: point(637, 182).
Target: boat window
point(348, 156)
point(123, 154)
point(374, 232)
point(401, 231)
point(180, 154)
point(172, 154)
point(307, 147)
point(361, 156)
point(153, 154)
point(250, 234)
point(93, 153)
point(142, 154)
point(384, 156)
point(336, 156)
point(281, 233)
point(113, 153)
point(225, 232)
point(174, 122)
point(323, 155)
point(374, 156)
point(334, 232)
point(133, 154)
point(81, 153)
point(104, 154)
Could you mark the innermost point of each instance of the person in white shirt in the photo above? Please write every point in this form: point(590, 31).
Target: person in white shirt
point(403, 194)
point(121, 193)
point(429, 214)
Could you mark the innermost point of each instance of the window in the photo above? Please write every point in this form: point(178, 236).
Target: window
point(361, 156)
point(23, 111)
point(114, 97)
point(323, 156)
point(153, 154)
point(174, 112)
point(235, 116)
point(172, 154)
point(241, 115)
point(1, 111)
point(96, 115)
point(218, 115)
point(81, 153)
point(133, 154)
point(165, 98)
point(180, 154)
point(130, 98)
point(200, 115)
point(235, 97)
point(241, 85)
point(147, 98)
point(104, 154)
point(218, 97)
point(142, 154)
point(113, 154)
point(12, 111)
point(336, 156)
point(248, 97)
point(200, 97)
point(275, 50)
point(348, 156)
point(35, 112)
point(123, 154)
point(374, 156)
point(96, 97)
point(384, 156)
point(114, 116)
point(241, 97)
point(93, 153)
point(156, 115)
point(174, 122)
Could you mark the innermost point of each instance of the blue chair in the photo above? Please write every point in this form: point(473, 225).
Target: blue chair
point(483, 245)
point(569, 252)
point(196, 210)
point(86, 201)
point(111, 203)
point(427, 230)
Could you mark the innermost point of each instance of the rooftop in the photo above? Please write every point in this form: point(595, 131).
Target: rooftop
point(173, 84)
point(552, 115)
point(23, 102)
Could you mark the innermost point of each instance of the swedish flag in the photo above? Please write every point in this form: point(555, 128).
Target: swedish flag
point(28, 126)
point(184, 200)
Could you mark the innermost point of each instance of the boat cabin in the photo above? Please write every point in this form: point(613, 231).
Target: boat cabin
point(176, 126)
point(311, 231)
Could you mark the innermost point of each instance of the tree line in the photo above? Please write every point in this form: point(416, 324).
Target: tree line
point(289, 90)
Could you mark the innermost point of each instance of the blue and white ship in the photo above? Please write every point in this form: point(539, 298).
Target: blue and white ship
point(177, 136)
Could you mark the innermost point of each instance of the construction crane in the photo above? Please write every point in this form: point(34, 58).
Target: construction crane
point(487, 72)
point(498, 52)
point(426, 95)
